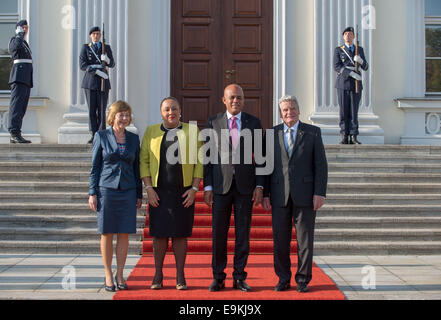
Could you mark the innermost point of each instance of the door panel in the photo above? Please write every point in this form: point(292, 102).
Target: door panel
point(217, 43)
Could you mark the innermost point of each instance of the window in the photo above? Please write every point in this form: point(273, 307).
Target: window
point(433, 46)
point(8, 20)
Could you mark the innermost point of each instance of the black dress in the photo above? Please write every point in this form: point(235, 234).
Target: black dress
point(170, 219)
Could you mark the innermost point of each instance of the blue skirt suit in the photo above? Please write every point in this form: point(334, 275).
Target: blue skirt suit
point(115, 180)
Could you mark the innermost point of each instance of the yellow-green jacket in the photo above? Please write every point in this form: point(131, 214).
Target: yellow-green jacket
point(189, 145)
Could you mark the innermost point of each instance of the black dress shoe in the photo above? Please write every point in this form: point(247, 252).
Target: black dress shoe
point(241, 285)
point(302, 288)
point(90, 141)
point(282, 286)
point(16, 138)
point(217, 285)
point(354, 140)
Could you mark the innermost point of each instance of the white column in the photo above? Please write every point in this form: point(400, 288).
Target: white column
point(114, 13)
point(280, 79)
point(28, 10)
point(415, 49)
point(331, 17)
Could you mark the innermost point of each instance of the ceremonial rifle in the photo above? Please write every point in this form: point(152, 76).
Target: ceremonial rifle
point(103, 51)
point(357, 51)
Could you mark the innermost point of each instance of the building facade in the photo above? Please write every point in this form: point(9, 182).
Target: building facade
point(193, 48)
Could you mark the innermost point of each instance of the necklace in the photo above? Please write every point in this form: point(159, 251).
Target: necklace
point(179, 124)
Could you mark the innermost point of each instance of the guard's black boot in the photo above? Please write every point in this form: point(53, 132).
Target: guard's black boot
point(354, 140)
point(16, 138)
point(344, 139)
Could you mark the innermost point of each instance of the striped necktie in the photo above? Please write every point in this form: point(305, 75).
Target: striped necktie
point(290, 143)
point(234, 132)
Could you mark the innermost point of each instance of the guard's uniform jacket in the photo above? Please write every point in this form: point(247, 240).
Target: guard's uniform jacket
point(96, 99)
point(21, 82)
point(348, 99)
point(343, 57)
point(91, 56)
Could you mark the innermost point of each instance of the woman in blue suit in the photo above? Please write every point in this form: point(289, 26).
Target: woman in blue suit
point(116, 189)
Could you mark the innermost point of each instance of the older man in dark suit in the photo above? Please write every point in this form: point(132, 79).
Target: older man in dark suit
point(296, 190)
point(232, 183)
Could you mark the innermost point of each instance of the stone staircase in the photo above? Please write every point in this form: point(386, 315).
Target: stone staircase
point(381, 200)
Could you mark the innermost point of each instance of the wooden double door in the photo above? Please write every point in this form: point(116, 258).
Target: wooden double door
point(216, 43)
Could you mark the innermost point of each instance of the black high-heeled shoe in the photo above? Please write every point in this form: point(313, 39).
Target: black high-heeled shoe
point(111, 288)
point(121, 286)
point(156, 285)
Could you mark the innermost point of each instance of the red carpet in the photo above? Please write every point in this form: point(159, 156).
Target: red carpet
point(261, 278)
point(200, 243)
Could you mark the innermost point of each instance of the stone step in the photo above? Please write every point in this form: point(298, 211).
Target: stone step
point(322, 222)
point(34, 154)
point(45, 148)
point(383, 199)
point(334, 167)
point(82, 209)
point(43, 167)
point(395, 210)
point(334, 177)
point(372, 177)
point(65, 176)
point(37, 157)
point(332, 158)
point(320, 247)
point(337, 188)
point(356, 234)
point(38, 198)
point(61, 247)
point(58, 222)
point(384, 158)
point(378, 248)
point(383, 168)
point(354, 149)
point(55, 234)
point(381, 149)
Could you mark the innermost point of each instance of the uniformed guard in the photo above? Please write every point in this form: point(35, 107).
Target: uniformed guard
point(20, 80)
point(345, 60)
point(91, 61)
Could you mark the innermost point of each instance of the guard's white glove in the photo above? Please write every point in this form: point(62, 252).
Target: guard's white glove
point(105, 58)
point(356, 76)
point(19, 31)
point(102, 74)
point(351, 68)
point(358, 59)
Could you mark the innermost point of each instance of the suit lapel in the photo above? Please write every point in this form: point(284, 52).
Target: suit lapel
point(112, 140)
point(221, 125)
point(285, 162)
point(128, 145)
point(281, 134)
point(299, 137)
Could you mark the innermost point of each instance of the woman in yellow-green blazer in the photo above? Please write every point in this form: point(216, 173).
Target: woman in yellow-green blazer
point(171, 173)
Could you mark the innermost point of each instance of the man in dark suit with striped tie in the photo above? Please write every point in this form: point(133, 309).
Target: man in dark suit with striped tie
point(91, 61)
point(296, 189)
point(348, 99)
